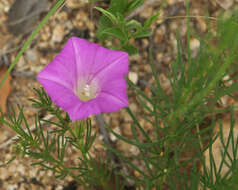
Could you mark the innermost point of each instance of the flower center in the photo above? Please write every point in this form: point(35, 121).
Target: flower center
point(86, 91)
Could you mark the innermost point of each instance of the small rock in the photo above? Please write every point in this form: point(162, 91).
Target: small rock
point(147, 12)
point(33, 172)
point(145, 43)
point(134, 150)
point(194, 46)
point(136, 173)
point(59, 187)
point(224, 100)
point(136, 57)
point(218, 148)
point(31, 55)
point(75, 4)
point(133, 107)
point(23, 14)
point(202, 24)
point(21, 65)
point(21, 169)
point(36, 69)
point(58, 34)
point(46, 33)
point(116, 130)
point(133, 77)
point(4, 174)
point(225, 4)
point(12, 187)
point(127, 118)
point(62, 16)
point(165, 83)
point(174, 42)
point(126, 129)
point(114, 122)
point(124, 147)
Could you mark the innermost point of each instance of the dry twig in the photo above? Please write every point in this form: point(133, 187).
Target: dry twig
point(103, 131)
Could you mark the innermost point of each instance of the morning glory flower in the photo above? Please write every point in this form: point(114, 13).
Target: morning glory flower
point(86, 78)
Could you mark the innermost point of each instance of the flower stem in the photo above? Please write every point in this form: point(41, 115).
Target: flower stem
point(103, 131)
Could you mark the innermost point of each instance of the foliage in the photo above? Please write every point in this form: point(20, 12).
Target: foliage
point(114, 23)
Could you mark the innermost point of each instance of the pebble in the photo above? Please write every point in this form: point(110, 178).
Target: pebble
point(33, 172)
point(46, 33)
point(136, 173)
point(116, 130)
point(127, 117)
point(165, 83)
point(171, 2)
point(21, 169)
point(202, 24)
point(147, 12)
point(133, 106)
point(36, 69)
point(4, 174)
point(194, 46)
point(31, 55)
point(133, 76)
point(134, 150)
point(126, 129)
point(21, 65)
point(58, 34)
point(224, 100)
point(75, 4)
point(217, 146)
point(225, 4)
point(62, 16)
point(124, 147)
point(12, 187)
point(173, 41)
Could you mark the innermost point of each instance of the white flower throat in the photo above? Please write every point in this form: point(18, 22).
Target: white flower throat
point(86, 91)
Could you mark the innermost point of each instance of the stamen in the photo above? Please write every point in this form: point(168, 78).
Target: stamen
point(86, 91)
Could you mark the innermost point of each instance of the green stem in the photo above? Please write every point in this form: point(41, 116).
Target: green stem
point(31, 38)
point(199, 137)
point(188, 31)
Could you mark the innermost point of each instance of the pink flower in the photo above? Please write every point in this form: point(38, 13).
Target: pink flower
point(86, 78)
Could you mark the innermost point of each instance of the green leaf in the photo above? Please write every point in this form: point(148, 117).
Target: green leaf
point(132, 5)
point(115, 32)
point(133, 24)
point(118, 6)
point(109, 15)
point(130, 49)
point(142, 34)
point(151, 19)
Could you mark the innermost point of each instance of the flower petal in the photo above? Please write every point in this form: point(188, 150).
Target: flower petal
point(115, 91)
point(117, 68)
point(107, 59)
point(84, 53)
point(85, 110)
point(62, 69)
point(91, 59)
point(61, 96)
point(110, 103)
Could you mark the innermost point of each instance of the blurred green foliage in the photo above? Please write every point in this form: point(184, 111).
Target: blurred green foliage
point(114, 24)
